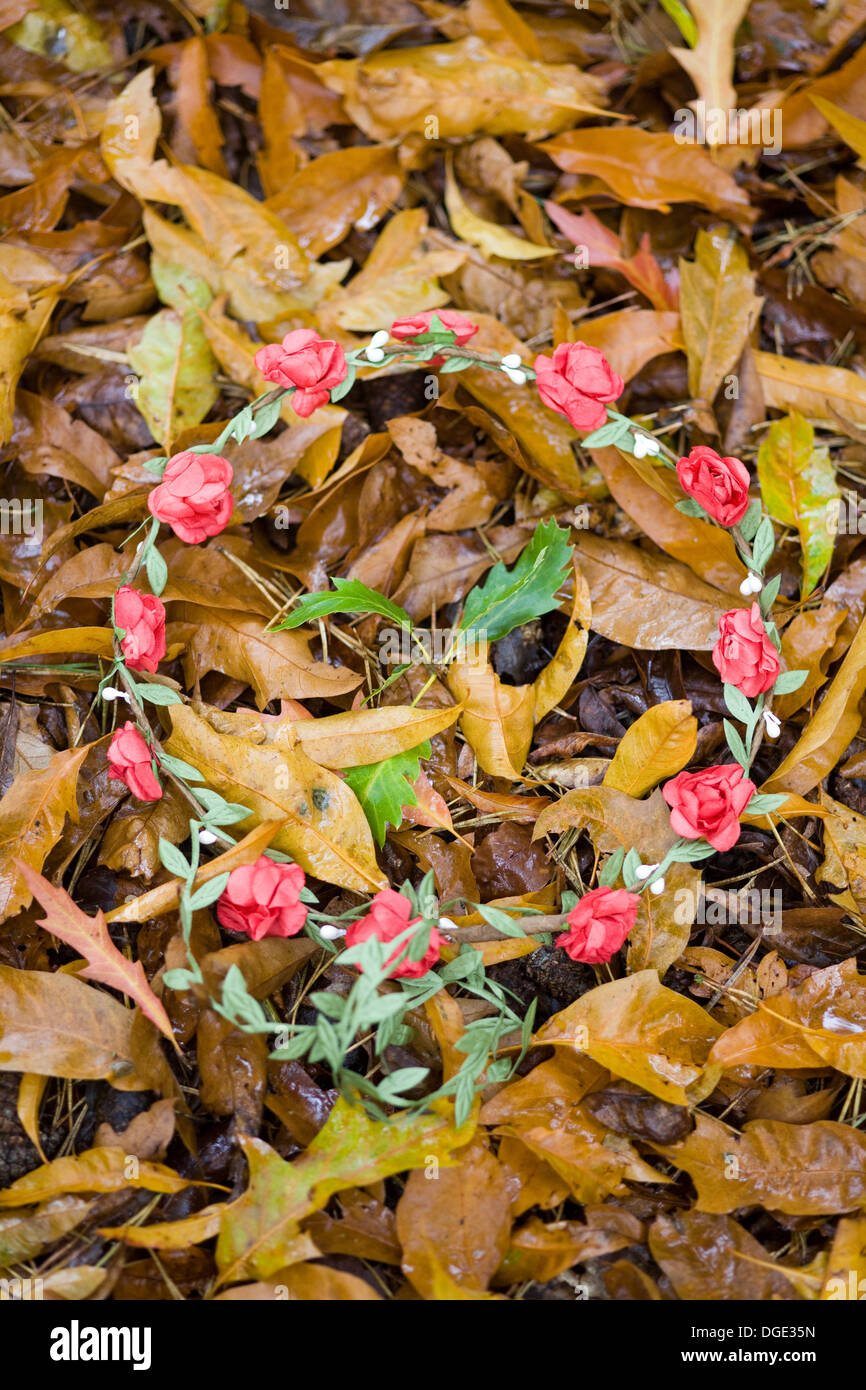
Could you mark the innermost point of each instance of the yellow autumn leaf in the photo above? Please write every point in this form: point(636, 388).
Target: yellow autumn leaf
point(657, 746)
point(487, 236)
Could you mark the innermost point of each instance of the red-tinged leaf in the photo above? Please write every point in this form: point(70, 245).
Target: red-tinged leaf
point(89, 936)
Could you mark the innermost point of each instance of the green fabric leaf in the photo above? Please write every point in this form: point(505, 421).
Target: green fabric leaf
point(509, 598)
point(349, 596)
point(383, 789)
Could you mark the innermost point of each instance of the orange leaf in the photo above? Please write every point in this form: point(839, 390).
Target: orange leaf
point(89, 936)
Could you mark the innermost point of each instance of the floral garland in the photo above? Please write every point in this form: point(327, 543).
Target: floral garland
point(398, 937)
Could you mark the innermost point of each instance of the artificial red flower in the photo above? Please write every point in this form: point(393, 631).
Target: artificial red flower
point(419, 324)
point(578, 382)
point(599, 924)
point(744, 656)
point(313, 365)
point(707, 805)
point(142, 617)
point(388, 917)
point(193, 497)
point(263, 899)
point(719, 485)
point(404, 330)
point(131, 761)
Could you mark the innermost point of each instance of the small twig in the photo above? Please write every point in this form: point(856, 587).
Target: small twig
point(531, 926)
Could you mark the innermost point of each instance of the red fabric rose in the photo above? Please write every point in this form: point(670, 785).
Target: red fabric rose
point(131, 761)
point(263, 899)
point(313, 365)
point(744, 656)
point(387, 918)
point(143, 617)
point(707, 805)
point(599, 924)
point(193, 497)
point(719, 485)
point(419, 324)
point(578, 382)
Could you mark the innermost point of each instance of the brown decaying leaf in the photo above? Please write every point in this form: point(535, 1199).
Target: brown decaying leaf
point(801, 1170)
point(56, 1025)
point(459, 1224)
point(32, 816)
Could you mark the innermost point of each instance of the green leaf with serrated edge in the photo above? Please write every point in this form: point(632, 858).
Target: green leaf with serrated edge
point(172, 859)
point(349, 596)
point(751, 519)
point(763, 805)
point(383, 789)
point(735, 743)
point(509, 598)
point(155, 466)
point(157, 571)
point(737, 703)
point(788, 681)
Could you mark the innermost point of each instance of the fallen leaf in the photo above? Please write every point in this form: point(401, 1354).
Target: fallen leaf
point(801, 1170)
point(657, 746)
point(32, 816)
point(88, 936)
point(459, 1223)
point(644, 1033)
point(798, 487)
point(55, 1025)
point(324, 828)
point(647, 170)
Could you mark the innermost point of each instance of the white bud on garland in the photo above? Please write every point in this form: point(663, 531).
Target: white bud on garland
point(645, 446)
point(644, 871)
point(772, 724)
